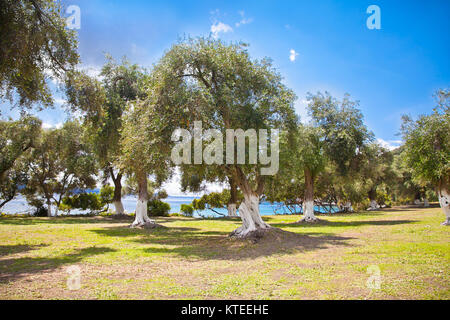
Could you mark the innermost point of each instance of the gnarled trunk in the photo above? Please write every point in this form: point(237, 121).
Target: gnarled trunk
point(308, 204)
point(141, 218)
point(252, 223)
point(251, 219)
point(444, 199)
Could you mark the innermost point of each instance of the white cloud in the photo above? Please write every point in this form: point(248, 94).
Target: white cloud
point(219, 27)
point(47, 125)
point(293, 55)
point(243, 20)
point(389, 144)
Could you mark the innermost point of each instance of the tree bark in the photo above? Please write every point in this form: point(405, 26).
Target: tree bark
point(233, 199)
point(252, 223)
point(373, 202)
point(49, 208)
point(308, 203)
point(117, 198)
point(141, 217)
point(444, 198)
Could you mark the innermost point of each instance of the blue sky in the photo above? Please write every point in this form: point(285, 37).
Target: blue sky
point(391, 71)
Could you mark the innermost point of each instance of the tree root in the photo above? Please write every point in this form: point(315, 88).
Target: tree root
point(310, 220)
point(252, 235)
point(147, 225)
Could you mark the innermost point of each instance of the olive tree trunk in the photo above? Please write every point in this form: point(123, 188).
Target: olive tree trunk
point(373, 202)
point(49, 207)
point(117, 198)
point(252, 223)
point(141, 218)
point(308, 203)
point(233, 199)
point(444, 199)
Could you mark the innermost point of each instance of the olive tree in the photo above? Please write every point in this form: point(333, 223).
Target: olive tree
point(35, 46)
point(102, 103)
point(427, 149)
point(60, 165)
point(206, 84)
point(217, 87)
point(17, 138)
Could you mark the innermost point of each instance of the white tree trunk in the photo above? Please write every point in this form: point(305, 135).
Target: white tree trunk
point(444, 201)
point(49, 209)
point(308, 204)
point(308, 211)
point(119, 207)
point(232, 210)
point(373, 205)
point(251, 219)
point(426, 203)
point(141, 217)
point(348, 207)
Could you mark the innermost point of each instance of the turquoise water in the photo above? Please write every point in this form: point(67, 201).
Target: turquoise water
point(19, 205)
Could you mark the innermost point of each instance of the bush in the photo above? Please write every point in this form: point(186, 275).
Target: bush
point(40, 212)
point(158, 208)
point(83, 201)
point(187, 210)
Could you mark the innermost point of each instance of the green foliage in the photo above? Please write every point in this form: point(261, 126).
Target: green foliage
point(215, 200)
point(187, 210)
point(209, 81)
point(427, 143)
point(83, 201)
point(35, 46)
point(106, 194)
point(158, 208)
point(60, 164)
point(16, 139)
point(344, 131)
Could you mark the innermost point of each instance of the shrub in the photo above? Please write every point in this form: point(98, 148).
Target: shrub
point(83, 201)
point(158, 208)
point(40, 212)
point(187, 210)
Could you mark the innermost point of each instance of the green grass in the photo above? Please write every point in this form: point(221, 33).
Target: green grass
point(194, 259)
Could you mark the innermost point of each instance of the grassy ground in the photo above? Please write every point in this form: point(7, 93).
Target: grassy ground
point(195, 259)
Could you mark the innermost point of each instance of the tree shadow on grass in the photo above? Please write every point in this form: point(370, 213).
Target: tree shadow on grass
point(59, 220)
point(14, 268)
point(197, 244)
point(6, 250)
point(324, 223)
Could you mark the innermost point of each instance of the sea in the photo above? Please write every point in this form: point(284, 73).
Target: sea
point(20, 206)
